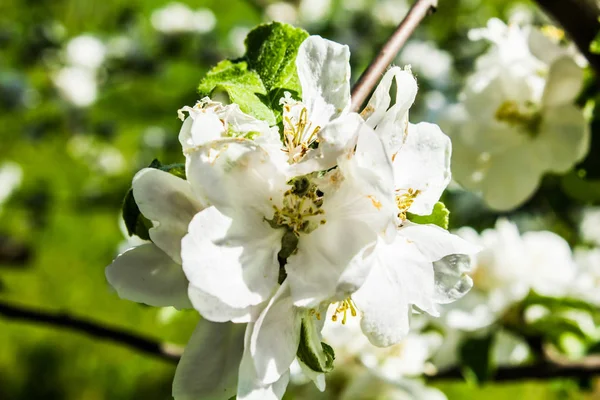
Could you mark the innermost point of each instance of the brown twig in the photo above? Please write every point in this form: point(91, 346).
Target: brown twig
point(544, 371)
point(388, 52)
point(547, 370)
point(118, 335)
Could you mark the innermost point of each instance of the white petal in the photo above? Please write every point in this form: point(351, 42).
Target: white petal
point(324, 73)
point(391, 122)
point(423, 164)
point(168, 200)
point(213, 309)
point(542, 47)
point(564, 137)
point(250, 387)
point(208, 368)
point(275, 337)
point(236, 174)
point(436, 243)
point(335, 139)
point(400, 277)
point(330, 262)
point(145, 274)
point(511, 178)
point(366, 191)
point(210, 121)
point(199, 128)
point(565, 81)
point(234, 260)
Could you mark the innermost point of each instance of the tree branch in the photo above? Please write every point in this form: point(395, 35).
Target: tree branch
point(583, 369)
point(390, 49)
point(62, 320)
point(579, 19)
point(557, 368)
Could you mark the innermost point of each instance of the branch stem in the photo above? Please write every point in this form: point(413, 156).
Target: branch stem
point(390, 49)
point(117, 335)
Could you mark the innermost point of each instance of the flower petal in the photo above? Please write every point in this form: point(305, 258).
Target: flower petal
point(213, 309)
point(168, 200)
point(390, 123)
point(275, 337)
point(511, 178)
point(202, 126)
point(324, 73)
point(146, 274)
point(335, 139)
point(434, 242)
point(564, 137)
point(208, 368)
point(564, 82)
point(423, 164)
point(232, 259)
point(400, 277)
point(250, 387)
point(236, 174)
point(330, 262)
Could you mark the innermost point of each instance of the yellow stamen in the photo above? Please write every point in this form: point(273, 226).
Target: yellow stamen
point(405, 200)
point(342, 308)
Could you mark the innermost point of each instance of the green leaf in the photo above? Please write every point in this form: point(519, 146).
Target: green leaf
point(475, 356)
point(555, 304)
point(259, 79)
point(440, 216)
point(316, 355)
point(135, 222)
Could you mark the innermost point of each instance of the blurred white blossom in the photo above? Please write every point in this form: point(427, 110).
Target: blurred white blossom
point(77, 85)
point(179, 18)
point(507, 268)
point(77, 80)
point(236, 37)
point(389, 12)
point(282, 12)
point(102, 157)
point(517, 119)
point(11, 176)
point(589, 228)
point(427, 60)
point(85, 51)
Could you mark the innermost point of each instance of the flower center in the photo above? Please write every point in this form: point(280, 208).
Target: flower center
point(299, 134)
point(342, 309)
point(527, 119)
point(301, 207)
point(405, 200)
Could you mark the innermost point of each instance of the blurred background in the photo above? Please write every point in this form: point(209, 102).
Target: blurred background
point(89, 93)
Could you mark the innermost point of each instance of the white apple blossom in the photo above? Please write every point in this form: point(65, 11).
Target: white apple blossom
point(516, 119)
point(403, 273)
point(508, 267)
point(11, 175)
point(151, 273)
point(427, 60)
point(407, 358)
point(77, 85)
point(589, 227)
point(86, 51)
point(177, 18)
point(587, 281)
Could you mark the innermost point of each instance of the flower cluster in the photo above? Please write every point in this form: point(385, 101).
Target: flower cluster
point(517, 119)
point(267, 228)
point(531, 282)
